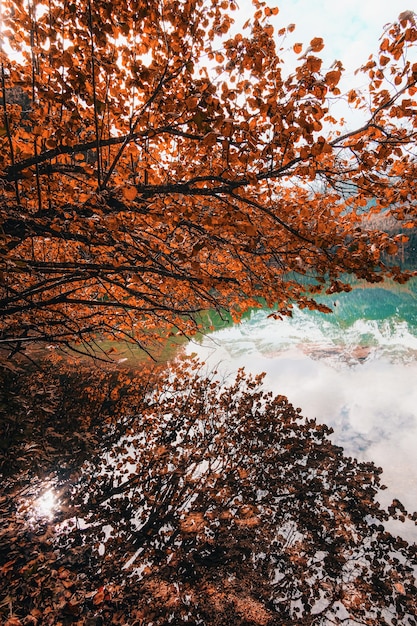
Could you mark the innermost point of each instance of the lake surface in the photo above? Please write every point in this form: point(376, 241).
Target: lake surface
point(354, 370)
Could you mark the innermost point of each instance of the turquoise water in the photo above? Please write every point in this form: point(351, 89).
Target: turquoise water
point(355, 370)
point(394, 302)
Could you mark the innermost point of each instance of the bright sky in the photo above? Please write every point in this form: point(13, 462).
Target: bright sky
point(350, 28)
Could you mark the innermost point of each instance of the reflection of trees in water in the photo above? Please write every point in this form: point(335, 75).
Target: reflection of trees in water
point(213, 505)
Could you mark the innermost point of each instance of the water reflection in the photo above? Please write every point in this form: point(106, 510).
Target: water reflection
point(358, 379)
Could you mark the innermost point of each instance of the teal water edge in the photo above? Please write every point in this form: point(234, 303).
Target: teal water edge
point(355, 370)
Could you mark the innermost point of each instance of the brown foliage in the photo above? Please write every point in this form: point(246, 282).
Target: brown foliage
point(153, 165)
point(192, 502)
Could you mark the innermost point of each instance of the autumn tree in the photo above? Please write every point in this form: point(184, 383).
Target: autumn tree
point(204, 501)
point(155, 163)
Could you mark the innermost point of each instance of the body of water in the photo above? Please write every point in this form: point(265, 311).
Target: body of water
point(354, 370)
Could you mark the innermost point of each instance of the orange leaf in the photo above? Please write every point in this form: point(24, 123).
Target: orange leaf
point(384, 45)
point(210, 139)
point(400, 588)
point(251, 176)
point(297, 48)
point(317, 44)
point(352, 95)
point(99, 597)
point(332, 78)
point(411, 34)
point(191, 102)
point(130, 192)
point(314, 64)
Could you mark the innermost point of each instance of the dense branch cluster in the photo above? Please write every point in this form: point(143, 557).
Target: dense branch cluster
point(153, 165)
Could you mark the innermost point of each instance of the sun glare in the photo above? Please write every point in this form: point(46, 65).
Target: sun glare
point(46, 504)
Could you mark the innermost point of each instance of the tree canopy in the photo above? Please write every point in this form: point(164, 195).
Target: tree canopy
point(154, 163)
point(185, 499)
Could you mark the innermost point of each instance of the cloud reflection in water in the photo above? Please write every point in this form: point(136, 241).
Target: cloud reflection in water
point(360, 380)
